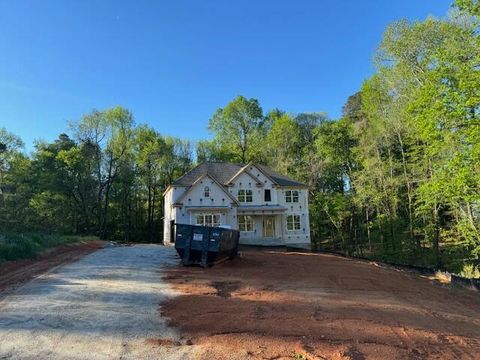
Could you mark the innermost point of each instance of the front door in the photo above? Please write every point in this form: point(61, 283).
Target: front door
point(268, 226)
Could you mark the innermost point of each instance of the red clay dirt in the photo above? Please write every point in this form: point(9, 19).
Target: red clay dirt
point(283, 305)
point(15, 273)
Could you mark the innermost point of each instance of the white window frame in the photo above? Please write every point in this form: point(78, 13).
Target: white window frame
point(246, 223)
point(292, 196)
point(245, 195)
point(207, 219)
point(206, 192)
point(294, 222)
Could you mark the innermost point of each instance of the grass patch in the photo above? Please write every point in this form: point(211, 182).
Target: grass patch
point(470, 271)
point(27, 246)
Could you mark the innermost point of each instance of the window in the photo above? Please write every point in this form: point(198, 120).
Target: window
point(245, 195)
point(208, 219)
point(291, 196)
point(293, 222)
point(245, 223)
point(268, 195)
point(206, 191)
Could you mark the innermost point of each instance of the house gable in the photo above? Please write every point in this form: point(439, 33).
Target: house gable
point(258, 184)
point(244, 170)
point(195, 194)
point(261, 176)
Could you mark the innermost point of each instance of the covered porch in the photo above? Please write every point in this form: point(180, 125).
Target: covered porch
point(261, 225)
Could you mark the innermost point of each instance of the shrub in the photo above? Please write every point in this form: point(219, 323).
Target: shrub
point(26, 246)
point(470, 271)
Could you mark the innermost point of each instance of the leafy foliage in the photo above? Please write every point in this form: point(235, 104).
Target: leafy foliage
point(107, 180)
point(397, 177)
point(238, 129)
point(25, 246)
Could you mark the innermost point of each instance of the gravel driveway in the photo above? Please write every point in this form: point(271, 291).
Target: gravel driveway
point(104, 306)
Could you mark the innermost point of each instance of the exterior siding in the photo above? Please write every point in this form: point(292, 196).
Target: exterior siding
point(167, 216)
point(170, 212)
point(232, 218)
point(244, 181)
point(195, 196)
point(300, 208)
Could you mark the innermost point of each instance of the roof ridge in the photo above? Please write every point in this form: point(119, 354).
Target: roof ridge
point(275, 173)
point(224, 171)
point(188, 172)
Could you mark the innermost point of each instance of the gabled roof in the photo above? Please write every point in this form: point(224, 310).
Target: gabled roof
point(224, 172)
point(221, 171)
point(278, 178)
point(207, 175)
point(242, 171)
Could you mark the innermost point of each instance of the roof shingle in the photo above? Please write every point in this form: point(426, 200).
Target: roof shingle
point(224, 171)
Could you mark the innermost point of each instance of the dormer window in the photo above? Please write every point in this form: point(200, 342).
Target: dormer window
point(206, 192)
point(245, 195)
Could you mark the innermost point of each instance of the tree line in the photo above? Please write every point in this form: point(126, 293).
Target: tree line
point(396, 178)
point(105, 178)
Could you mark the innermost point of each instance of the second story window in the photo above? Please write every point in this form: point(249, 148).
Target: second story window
point(268, 195)
point(291, 196)
point(245, 196)
point(206, 191)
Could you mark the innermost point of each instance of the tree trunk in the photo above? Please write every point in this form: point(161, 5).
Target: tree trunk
point(368, 230)
point(108, 186)
point(409, 188)
point(154, 198)
point(436, 237)
point(149, 211)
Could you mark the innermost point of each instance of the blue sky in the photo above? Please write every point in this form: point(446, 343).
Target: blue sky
point(173, 63)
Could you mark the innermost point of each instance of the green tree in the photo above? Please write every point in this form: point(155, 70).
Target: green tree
point(238, 129)
point(13, 165)
point(150, 150)
point(470, 6)
point(109, 134)
point(283, 142)
point(10, 144)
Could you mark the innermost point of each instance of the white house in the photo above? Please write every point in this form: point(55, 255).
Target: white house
point(268, 208)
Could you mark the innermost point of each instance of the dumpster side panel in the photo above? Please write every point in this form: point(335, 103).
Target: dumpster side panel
point(205, 245)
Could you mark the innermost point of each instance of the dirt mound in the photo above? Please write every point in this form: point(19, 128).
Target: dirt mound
point(15, 273)
point(275, 305)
